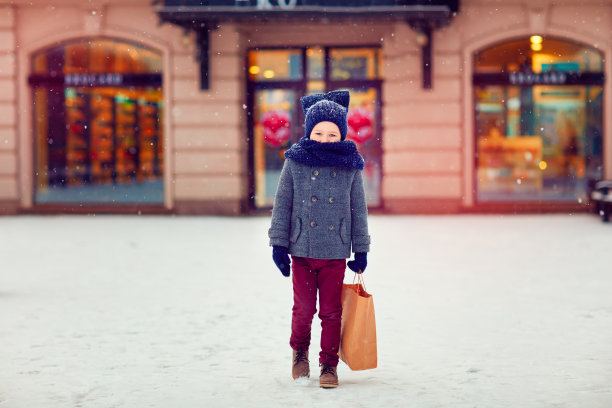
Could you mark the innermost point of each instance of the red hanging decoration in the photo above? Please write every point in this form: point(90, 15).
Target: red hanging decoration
point(360, 127)
point(276, 127)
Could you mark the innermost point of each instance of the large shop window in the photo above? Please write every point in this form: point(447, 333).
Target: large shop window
point(538, 109)
point(98, 123)
point(279, 77)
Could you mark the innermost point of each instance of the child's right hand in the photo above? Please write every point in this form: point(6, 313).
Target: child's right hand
point(281, 259)
point(360, 262)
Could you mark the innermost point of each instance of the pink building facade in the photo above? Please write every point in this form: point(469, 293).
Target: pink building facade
point(103, 106)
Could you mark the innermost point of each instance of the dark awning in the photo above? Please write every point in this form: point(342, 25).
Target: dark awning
point(202, 16)
point(434, 13)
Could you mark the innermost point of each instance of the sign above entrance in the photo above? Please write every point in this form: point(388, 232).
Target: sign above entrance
point(543, 78)
point(191, 13)
point(297, 5)
point(96, 80)
point(93, 79)
point(266, 4)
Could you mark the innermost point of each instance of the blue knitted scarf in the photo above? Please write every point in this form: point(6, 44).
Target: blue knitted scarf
point(335, 154)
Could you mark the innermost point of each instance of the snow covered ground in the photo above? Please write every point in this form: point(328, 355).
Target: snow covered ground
point(472, 311)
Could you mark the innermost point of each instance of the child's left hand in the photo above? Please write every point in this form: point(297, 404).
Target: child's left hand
point(360, 262)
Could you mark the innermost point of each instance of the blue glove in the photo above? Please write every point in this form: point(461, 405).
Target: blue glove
point(360, 262)
point(281, 259)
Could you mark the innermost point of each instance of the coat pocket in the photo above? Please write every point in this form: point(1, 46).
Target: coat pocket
point(344, 234)
point(296, 229)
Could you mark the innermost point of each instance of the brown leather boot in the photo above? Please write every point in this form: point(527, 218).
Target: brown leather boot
point(301, 367)
point(329, 377)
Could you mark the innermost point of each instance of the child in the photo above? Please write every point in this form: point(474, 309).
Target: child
point(319, 213)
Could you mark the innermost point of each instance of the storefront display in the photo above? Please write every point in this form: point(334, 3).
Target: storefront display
point(539, 123)
point(98, 143)
point(509, 165)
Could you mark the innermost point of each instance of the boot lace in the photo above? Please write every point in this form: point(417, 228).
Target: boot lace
point(300, 356)
point(327, 369)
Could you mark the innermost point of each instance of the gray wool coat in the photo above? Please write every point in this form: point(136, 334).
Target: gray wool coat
point(320, 212)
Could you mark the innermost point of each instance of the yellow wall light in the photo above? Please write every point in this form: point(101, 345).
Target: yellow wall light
point(268, 73)
point(543, 165)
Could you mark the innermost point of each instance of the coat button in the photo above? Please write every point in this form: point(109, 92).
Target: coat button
point(331, 200)
point(316, 172)
point(313, 224)
point(313, 199)
point(331, 227)
point(333, 174)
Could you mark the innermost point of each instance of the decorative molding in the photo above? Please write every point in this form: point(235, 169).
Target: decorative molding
point(93, 20)
point(538, 18)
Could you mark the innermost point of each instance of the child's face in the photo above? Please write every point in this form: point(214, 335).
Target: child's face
point(325, 132)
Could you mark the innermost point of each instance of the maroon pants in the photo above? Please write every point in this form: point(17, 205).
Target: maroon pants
point(327, 276)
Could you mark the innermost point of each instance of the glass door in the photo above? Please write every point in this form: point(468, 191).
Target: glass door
point(275, 117)
point(275, 83)
point(363, 129)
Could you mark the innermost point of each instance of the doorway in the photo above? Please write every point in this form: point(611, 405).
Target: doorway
point(277, 80)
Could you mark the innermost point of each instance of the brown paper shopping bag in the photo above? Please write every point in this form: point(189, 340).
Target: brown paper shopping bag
point(358, 332)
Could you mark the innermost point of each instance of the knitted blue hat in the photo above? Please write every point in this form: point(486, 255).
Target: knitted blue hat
point(329, 107)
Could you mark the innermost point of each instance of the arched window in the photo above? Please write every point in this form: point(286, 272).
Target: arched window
point(538, 120)
point(98, 123)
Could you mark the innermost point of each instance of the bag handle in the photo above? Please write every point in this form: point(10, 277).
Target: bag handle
point(359, 277)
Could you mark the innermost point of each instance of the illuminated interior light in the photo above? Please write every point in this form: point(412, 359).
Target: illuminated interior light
point(268, 74)
point(254, 70)
point(536, 39)
point(543, 165)
point(536, 47)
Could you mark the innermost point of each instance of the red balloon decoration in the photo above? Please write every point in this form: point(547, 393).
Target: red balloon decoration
point(360, 127)
point(277, 127)
point(76, 128)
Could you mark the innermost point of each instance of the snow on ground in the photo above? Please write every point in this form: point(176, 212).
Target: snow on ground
point(472, 311)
